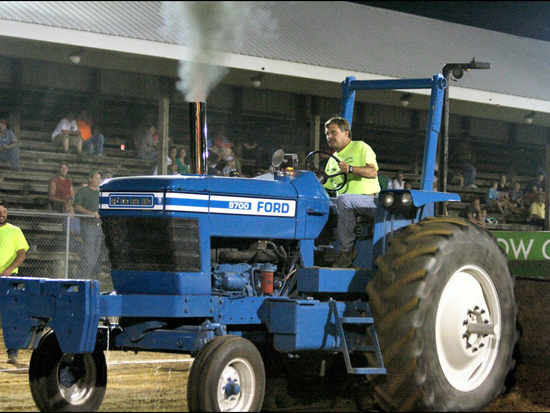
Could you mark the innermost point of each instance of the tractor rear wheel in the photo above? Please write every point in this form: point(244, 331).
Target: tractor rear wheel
point(66, 382)
point(445, 313)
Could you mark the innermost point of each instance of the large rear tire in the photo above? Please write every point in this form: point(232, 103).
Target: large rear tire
point(437, 291)
point(63, 382)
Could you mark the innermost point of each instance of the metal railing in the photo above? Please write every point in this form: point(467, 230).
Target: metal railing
point(63, 246)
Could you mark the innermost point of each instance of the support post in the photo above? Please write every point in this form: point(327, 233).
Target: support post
point(164, 109)
point(315, 128)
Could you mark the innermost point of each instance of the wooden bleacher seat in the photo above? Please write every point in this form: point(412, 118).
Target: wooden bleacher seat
point(28, 189)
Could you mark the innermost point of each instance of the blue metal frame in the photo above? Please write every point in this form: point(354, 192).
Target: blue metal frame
point(385, 223)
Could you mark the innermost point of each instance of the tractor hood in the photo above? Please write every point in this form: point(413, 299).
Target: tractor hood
point(293, 206)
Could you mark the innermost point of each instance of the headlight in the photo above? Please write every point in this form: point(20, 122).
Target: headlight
point(399, 203)
point(406, 199)
point(389, 200)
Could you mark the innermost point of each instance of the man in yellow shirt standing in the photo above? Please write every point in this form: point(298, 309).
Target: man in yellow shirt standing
point(358, 196)
point(12, 254)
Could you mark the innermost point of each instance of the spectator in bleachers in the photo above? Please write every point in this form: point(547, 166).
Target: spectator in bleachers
point(230, 168)
point(253, 152)
point(106, 175)
point(537, 211)
point(534, 187)
point(61, 191)
point(503, 188)
point(9, 146)
point(147, 146)
point(399, 181)
point(504, 191)
point(87, 202)
point(516, 196)
point(171, 161)
point(67, 134)
point(215, 165)
point(13, 247)
point(408, 186)
point(181, 165)
point(466, 159)
point(493, 201)
point(221, 141)
point(91, 143)
point(472, 212)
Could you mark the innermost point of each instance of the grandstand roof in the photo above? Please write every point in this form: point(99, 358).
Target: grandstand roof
point(311, 40)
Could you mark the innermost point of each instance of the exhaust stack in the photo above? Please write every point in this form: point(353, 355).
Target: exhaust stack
point(198, 145)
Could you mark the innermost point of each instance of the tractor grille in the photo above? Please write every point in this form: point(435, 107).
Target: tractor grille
point(153, 244)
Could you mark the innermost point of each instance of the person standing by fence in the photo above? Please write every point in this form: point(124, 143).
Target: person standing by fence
point(13, 245)
point(87, 202)
point(9, 146)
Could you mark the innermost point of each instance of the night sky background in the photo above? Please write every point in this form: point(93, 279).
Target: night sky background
point(521, 18)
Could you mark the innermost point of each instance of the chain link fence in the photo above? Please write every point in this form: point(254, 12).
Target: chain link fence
point(63, 246)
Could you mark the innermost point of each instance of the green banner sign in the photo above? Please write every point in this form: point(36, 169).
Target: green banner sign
point(524, 245)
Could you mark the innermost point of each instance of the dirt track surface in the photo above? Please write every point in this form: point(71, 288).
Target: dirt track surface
point(158, 382)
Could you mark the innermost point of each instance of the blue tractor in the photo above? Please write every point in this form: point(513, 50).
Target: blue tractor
point(228, 271)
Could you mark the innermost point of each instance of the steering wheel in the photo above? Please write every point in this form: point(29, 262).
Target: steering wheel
point(322, 175)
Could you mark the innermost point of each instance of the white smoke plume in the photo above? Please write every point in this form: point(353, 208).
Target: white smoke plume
point(207, 28)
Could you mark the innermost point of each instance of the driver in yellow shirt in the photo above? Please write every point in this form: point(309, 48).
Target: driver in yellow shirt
point(358, 195)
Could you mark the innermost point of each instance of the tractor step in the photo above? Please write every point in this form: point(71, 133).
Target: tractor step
point(368, 321)
point(357, 320)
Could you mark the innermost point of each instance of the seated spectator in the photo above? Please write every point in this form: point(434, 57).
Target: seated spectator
point(171, 161)
point(538, 185)
point(91, 143)
point(537, 211)
point(516, 196)
point(9, 147)
point(465, 159)
point(61, 191)
point(221, 141)
point(472, 212)
point(181, 165)
point(533, 188)
point(147, 146)
point(455, 177)
point(67, 133)
point(469, 171)
point(252, 151)
point(503, 188)
point(399, 181)
point(215, 165)
point(408, 186)
point(230, 167)
point(107, 174)
point(493, 201)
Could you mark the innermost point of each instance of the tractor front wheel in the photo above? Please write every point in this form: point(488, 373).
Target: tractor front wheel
point(445, 313)
point(66, 382)
point(229, 376)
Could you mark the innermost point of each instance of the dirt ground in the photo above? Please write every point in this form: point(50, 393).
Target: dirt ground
point(158, 382)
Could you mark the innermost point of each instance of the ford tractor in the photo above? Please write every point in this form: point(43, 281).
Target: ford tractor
point(229, 270)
